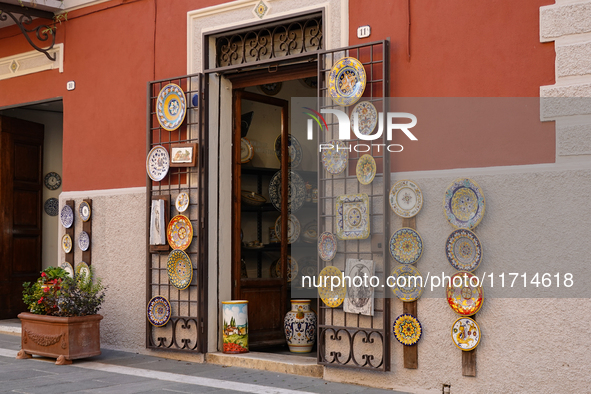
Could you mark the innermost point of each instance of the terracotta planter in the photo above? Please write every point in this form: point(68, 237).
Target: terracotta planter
point(65, 338)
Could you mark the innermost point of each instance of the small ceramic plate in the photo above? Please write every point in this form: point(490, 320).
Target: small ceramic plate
point(180, 269)
point(67, 216)
point(293, 229)
point(335, 297)
point(407, 329)
point(352, 216)
point(406, 246)
point(182, 202)
point(296, 192)
point(366, 169)
point(67, 243)
point(158, 311)
point(310, 232)
point(252, 198)
point(82, 269)
point(68, 268)
point(179, 232)
point(346, 81)
point(367, 117)
point(406, 199)
point(335, 159)
point(84, 211)
point(246, 151)
point(293, 147)
point(464, 203)
point(83, 241)
point(327, 246)
point(157, 163)
point(465, 333)
point(410, 287)
point(171, 107)
point(463, 250)
point(292, 269)
point(464, 300)
point(53, 181)
point(52, 206)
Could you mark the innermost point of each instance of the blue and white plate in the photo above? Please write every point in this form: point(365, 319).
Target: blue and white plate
point(67, 216)
point(84, 241)
point(296, 193)
point(171, 107)
point(294, 149)
point(157, 163)
point(52, 206)
point(84, 210)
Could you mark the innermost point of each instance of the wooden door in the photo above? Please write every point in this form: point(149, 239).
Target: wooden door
point(21, 173)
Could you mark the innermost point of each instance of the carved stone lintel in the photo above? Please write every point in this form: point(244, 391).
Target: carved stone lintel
point(21, 355)
point(61, 360)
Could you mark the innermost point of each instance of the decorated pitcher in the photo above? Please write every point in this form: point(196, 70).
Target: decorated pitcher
point(235, 329)
point(300, 327)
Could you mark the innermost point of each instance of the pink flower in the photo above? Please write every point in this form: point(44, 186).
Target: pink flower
point(40, 299)
point(43, 274)
point(46, 290)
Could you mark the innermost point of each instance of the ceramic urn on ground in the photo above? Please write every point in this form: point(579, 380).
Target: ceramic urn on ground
point(300, 327)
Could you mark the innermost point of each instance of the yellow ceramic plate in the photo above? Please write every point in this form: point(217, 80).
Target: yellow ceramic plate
point(67, 243)
point(346, 81)
point(464, 300)
point(465, 333)
point(366, 169)
point(464, 203)
point(179, 232)
point(180, 269)
point(171, 107)
point(332, 297)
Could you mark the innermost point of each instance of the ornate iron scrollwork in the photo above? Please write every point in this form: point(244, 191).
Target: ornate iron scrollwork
point(344, 339)
point(182, 335)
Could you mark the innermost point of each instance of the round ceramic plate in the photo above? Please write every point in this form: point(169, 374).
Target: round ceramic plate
point(464, 300)
point(157, 163)
point(409, 288)
point(246, 151)
point(310, 232)
point(327, 246)
point(67, 216)
point(293, 229)
point(179, 232)
point(182, 202)
point(335, 159)
point(292, 269)
point(52, 206)
point(296, 193)
point(335, 297)
point(407, 329)
point(158, 311)
point(464, 203)
point(346, 81)
point(367, 117)
point(83, 241)
point(406, 199)
point(366, 169)
point(293, 147)
point(180, 269)
point(406, 246)
point(171, 107)
point(252, 198)
point(53, 181)
point(83, 270)
point(463, 250)
point(68, 268)
point(465, 333)
point(67, 243)
point(84, 211)
point(308, 266)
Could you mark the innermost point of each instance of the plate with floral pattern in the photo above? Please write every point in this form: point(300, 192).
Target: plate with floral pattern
point(335, 158)
point(346, 81)
point(464, 203)
point(296, 192)
point(84, 211)
point(292, 268)
point(366, 169)
point(406, 246)
point(465, 333)
point(158, 311)
point(293, 147)
point(82, 269)
point(179, 232)
point(407, 329)
point(68, 268)
point(367, 117)
point(171, 107)
point(293, 229)
point(406, 199)
point(67, 216)
point(331, 297)
point(327, 246)
point(180, 269)
point(352, 216)
point(465, 299)
point(157, 163)
point(410, 288)
point(182, 202)
point(83, 241)
point(463, 250)
point(67, 243)
point(52, 206)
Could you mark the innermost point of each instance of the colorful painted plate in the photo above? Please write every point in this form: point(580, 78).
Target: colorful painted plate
point(67, 216)
point(52, 206)
point(327, 246)
point(294, 148)
point(464, 203)
point(157, 163)
point(407, 329)
point(463, 250)
point(465, 333)
point(335, 297)
point(406, 199)
point(464, 300)
point(411, 287)
point(335, 159)
point(252, 198)
point(296, 193)
point(84, 241)
point(68, 268)
point(292, 269)
point(406, 246)
point(367, 117)
point(82, 269)
point(158, 311)
point(84, 211)
point(171, 107)
point(366, 169)
point(180, 269)
point(293, 229)
point(352, 218)
point(182, 202)
point(67, 243)
point(346, 81)
point(53, 180)
point(246, 151)
point(179, 232)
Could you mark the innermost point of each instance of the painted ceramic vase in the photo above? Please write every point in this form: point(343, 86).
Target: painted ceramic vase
point(300, 327)
point(235, 329)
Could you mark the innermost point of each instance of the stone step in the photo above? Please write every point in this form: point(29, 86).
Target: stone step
point(273, 362)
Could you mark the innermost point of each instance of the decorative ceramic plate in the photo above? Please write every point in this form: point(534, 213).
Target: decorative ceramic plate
point(83, 269)
point(464, 203)
point(84, 241)
point(310, 232)
point(367, 116)
point(158, 311)
point(407, 329)
point(366, 169)
point(171, 107)
point(327, 246)
point(463, 250)
point(84, 211)
point(406, 246)
point(182, 202)
point(464, 300)
point(296, 193)
point(52, 206)
point(67, 243)
point(406, 198)
point(292, 269)
point(335, 159)
point(346, 81)
point(293, 229)
point(68, 268)
point(252, 198)
point(53, 181)
point(335, 297)
point(180, 269)
point(67, 216)
point(352, 218)
point(465, 333)
point(410, 288)
point(246, 151)
point(179, 232)
point(158, 163)
point(293, 147)
point(308, 266)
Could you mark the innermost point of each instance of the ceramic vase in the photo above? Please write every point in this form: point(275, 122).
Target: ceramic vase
point(300, 327)
point(235, 328)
